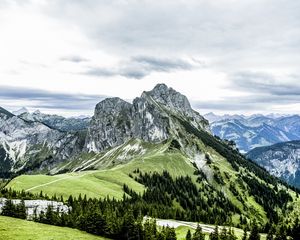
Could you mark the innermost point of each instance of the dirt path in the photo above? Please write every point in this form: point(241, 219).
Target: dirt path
point(57, 180)
point(48, 183)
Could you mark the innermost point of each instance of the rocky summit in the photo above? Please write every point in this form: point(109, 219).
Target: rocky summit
point(149, 118)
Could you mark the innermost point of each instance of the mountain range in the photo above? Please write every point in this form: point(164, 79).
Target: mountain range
point(249, 132)
point(158, 135)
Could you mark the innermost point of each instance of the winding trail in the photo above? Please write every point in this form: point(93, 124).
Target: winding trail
point(57, 180)
point(48, 183)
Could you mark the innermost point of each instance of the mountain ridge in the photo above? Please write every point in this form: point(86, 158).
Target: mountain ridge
point(281, 159)
point(257, 130)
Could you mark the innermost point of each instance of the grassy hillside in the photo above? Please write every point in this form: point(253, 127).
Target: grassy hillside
point(102, 183)
point(17, 229)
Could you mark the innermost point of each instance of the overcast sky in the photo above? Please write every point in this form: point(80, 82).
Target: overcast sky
point(226, 56)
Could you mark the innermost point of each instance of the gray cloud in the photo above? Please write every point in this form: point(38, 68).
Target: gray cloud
point(246, 103)
point(139, 67)
point(162, 64)
point(254, 36)
point(263, 91)
point(74, 58)
point(266, 84)
point(246, 28)
point(50, 100)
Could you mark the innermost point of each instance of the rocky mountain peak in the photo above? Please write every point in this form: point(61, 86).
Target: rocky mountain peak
point(167, 96)
point(110, 106)
point(150, 118)
point(20, 111)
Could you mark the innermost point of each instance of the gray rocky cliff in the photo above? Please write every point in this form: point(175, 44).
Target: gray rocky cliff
point(150, 118)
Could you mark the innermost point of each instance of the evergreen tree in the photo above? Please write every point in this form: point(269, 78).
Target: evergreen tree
point(231, 235)
point(150, 230)
point(281, 234)
point(8, 209)
point(223, 234)
point(296, 230)
point(170, 233)
point(245, 235)
point(20, 210)
point(271, 232)
point(254, 234)
point(188, 235)
point(215, 234)
point(198, 235)
point(129, 227)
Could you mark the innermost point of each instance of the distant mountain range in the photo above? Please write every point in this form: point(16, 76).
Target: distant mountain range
point(56, 121)
point(249, 132)
point(270, 140)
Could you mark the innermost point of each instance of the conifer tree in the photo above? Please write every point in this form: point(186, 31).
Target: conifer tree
point(254, 234)
point(215, 234)
point(271, 232)
point(170, 233)
point(20, 210)
point(223, 234)
point(188, 235)
point(231, 235)
point(8, 209)
point(245, 235)
point(281, 234)
point(198, 235)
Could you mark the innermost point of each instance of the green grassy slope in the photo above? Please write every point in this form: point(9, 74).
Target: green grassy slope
point(17, 229)
point(101, 183)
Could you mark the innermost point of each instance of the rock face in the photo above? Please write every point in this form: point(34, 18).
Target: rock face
point(36, 207)
point(281, 160)
point(111, 124)
point(149, 118)
point(26, 145)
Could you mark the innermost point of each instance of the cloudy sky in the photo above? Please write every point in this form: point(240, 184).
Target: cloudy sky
point(226, 56)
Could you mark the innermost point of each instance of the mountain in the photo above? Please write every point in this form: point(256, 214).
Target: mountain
point(57, 122)
point(256, 130)
point(289, 124)
point(20, 111)
point(211, 117)
point(160, 153)
point(28, 145)
point(281, 159)
point(149, 118)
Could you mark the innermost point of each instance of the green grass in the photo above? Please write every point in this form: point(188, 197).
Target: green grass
point(94, 184)
point(17, 229)
point(102, 183)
